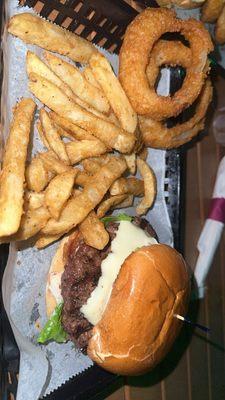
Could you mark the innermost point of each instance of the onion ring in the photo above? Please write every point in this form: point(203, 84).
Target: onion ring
point(157, 135)
point(167, 52)
point(140, 37)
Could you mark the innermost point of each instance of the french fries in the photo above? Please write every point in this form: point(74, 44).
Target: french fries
point(13, 169)
point(35, 30)
point(71, 75)
point(42, 135)
point(52, 164)
point(36, 66)
point(111, 202)
point(94, 232)
point(76, 210)
point(128, 202)
point(31, 223)
point(131, 162)
point(33, 200)
point(89, 117)
point(82, 178)
point(44, 241)
point(149, 185)
point(88, 74)
point(130, 185)
point(59, 191)
point(74, 130)
point(55, 99)
point(37, 176)
point(52, 137)
point(114, 92)
point(78, 151)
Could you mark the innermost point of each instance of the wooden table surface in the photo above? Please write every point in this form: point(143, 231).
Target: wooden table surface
point(197, 373)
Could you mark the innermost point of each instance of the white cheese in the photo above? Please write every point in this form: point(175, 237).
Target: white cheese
point(54, 284)
point(129, 237)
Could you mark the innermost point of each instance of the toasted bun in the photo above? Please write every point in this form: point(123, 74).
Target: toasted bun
point(138, 327)
point(57, 266)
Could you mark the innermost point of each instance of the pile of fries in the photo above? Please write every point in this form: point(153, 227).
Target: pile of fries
point(90, 142)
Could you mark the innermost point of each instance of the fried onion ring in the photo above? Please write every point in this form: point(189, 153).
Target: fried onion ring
point(140, 37)
point(167, 52)
point(157, 135)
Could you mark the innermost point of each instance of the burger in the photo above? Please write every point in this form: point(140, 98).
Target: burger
point(117, 304)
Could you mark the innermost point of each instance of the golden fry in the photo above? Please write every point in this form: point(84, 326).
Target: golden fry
point(44, 241)
point(131, 162)
point(220, 27)
point(54, 98)
point(52, 164)
point(53, 137)
point(35, 30)
point(33, 200)
point(37, 176)
point(82, 178)
point(77, 83)
point(74, 130)
point(77, 151)
point(130, 185)
point(128, 202)
point(79, 207)
point(149, 186)
point(36, 66)
point(42, 135)
point(13, 168)
point(111, 202)
point(143, 154)
point(88, 74)
point(94, 232)
point(59, 191)
point(114, 92)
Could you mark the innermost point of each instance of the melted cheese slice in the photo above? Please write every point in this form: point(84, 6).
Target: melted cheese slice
point(129, 237)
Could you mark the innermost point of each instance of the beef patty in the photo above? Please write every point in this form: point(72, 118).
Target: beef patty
point(80, 278)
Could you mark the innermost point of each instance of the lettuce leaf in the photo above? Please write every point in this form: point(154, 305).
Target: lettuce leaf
point(53, 329)
point(115, 218)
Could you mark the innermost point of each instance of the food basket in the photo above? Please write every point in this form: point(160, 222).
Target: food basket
point(102, 22)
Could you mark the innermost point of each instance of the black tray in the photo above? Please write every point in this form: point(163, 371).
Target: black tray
point(94, 380)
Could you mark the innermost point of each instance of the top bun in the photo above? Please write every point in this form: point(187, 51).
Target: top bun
point(138, 326)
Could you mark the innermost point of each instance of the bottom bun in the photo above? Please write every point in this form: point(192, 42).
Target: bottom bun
point(138, 326)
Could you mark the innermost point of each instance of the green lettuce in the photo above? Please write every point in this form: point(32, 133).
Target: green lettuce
point(115, 218)
point(53, 329)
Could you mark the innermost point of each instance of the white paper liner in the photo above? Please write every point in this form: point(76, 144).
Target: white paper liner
point(44, 368)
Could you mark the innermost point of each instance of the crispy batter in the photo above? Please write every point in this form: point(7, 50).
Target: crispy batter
point(56, 100)
point(13, 168)
point(166, 52)
point(35, 30)
point(211, 10)
point(149, 186)
point(220, 27)
point(139, 40)
point(157, 135)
